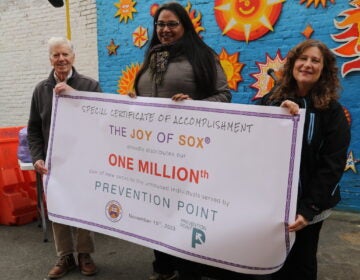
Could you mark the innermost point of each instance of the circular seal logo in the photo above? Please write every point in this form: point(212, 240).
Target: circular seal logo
point(113, 211)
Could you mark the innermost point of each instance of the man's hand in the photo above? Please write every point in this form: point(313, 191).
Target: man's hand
point(62, 87)
point(40, 168)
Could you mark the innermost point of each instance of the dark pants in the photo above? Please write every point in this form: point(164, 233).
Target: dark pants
point(164, 263)
point(301, 263)
point(167, 264)
point(189, 270)
point(223, 274)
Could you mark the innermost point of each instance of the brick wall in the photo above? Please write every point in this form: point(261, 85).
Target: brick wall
point(25, 28)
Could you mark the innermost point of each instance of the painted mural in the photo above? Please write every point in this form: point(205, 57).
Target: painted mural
point(246, 20)
point(350, 38)
point(251, 38)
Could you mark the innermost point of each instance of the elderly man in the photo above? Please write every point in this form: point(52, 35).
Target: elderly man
point(68, 240)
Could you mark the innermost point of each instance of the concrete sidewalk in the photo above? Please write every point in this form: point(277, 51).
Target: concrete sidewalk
point(24, 255)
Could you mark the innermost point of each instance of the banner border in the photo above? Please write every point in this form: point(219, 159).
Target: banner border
point(294, 118)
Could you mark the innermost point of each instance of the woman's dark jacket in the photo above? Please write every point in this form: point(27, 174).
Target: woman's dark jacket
point(326, 139)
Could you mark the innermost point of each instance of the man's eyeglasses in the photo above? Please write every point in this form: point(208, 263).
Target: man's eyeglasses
point(169, 24)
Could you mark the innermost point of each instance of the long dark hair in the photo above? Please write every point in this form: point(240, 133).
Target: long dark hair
point(325, 90)
point(201, 57)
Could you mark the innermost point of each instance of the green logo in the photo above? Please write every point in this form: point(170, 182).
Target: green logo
point(198, 237)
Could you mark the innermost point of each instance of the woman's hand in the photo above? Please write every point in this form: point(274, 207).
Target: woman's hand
point(291, 106)
point(62, 87)
point(180, 97)
point(40, 168)
point(300, 223)
point(132, 94)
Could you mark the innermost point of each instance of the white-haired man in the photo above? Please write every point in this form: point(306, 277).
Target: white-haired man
point(68, 240)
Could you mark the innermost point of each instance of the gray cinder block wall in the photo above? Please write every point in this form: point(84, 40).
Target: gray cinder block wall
point(25, 27)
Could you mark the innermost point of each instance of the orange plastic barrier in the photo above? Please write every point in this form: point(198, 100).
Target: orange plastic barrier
point(9, 139)
point(18, 200)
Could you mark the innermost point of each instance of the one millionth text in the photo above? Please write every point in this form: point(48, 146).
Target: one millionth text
point(180, 173)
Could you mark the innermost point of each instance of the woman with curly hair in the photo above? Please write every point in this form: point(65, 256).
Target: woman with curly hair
point(310, 81)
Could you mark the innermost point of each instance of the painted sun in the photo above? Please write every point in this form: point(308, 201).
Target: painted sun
point(247, 20)
point(349, 37)
point(125, 9)
point(316, 2)
point(153, 9)
point(126, 81)
point(232, 68)
point(264, 82)
point(140, 36)
point(195, 19)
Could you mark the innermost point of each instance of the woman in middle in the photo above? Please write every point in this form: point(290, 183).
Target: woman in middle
point(179, 65)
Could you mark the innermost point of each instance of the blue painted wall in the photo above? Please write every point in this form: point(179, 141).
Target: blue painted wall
point(287, 33)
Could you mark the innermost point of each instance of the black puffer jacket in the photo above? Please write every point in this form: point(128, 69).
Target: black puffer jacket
point(324, 151)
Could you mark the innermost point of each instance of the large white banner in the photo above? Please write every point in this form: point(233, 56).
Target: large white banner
point(211, 182)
